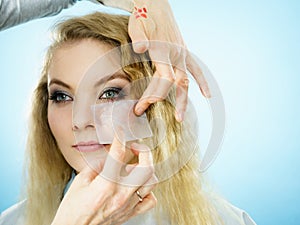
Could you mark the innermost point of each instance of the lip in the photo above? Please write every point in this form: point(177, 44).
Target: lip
point(89, 146)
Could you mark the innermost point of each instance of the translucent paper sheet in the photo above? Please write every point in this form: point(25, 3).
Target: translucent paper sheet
point(116, 117)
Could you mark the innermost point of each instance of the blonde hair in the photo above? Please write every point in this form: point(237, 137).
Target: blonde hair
point(181, 198)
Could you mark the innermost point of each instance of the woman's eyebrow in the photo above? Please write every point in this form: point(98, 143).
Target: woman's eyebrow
point(59, 82)
point(111, 77)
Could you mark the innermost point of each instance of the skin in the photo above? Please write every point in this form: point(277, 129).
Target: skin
point(92, 198)
point(159, 34)
point(68, 68)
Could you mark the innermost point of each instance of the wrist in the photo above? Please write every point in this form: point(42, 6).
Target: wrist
point(127, 5)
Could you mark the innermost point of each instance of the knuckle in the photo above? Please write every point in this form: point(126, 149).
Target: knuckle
point(183, 82)
point(109, 188)
point(169, 77)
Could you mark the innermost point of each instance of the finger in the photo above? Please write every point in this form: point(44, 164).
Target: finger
point(147, 186)
point(130, 167)
point(137, 197)
point(144, 156)
point(126, 187)
point(141, 173)
point(197, 73)
point(144, 190)
point(148, 203)
point(115, 159)
point(182, 84)
point(84, 177)
point(137, 34)
point(158, 88)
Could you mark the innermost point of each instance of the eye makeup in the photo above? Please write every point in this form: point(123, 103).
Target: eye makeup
point(59, 96)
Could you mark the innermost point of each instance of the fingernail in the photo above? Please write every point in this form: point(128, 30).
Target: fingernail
point(207, 93)
point(139, 111)
point(179, 116)
point(141, 47)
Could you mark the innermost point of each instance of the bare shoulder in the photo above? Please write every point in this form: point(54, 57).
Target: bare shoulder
point(14, 215)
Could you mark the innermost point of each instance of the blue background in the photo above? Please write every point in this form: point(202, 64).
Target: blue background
point(253, 50)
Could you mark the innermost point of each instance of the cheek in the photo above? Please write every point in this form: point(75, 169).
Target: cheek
point(60, 122)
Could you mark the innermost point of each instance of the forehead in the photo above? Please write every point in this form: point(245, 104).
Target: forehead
point(72, 60)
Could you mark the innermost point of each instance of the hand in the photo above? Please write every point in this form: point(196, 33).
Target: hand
point(152, 27)
point(98, 199)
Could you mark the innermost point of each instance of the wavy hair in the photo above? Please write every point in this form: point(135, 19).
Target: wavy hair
point(181, 198)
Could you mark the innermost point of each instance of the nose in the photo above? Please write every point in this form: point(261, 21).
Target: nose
point(82, 116)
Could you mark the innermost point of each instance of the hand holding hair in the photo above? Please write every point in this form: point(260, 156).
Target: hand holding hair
point(152, 27)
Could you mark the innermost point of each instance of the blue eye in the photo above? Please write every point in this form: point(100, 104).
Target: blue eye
point(60, 97)
point(111, 94)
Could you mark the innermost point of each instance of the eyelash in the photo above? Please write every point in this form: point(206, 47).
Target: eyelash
point(62, 95)
point(118, 91)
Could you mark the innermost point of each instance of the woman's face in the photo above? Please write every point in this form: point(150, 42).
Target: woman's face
point(73, 127)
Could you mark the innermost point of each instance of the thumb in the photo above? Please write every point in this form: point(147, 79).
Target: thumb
point(138, 36)
point(83, 178)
